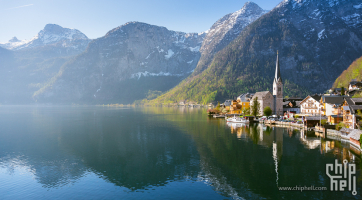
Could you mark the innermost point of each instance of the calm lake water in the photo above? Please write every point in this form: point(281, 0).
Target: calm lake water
point(158, 153)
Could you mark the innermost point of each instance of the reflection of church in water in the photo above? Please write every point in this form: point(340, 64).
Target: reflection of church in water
point(270, 137)
point(273, 137)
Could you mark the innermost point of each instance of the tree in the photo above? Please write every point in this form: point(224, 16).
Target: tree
point(267, 111)
point(341, 125)
point(218, 106)
point(246, 111)
point(342, 91)
point(255, 107)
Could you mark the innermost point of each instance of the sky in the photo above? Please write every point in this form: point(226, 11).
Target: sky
point(25, 18)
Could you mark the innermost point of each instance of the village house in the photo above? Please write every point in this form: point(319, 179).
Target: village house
point(227, 102)
point(348, 118)
point(335, 119)
point(350, 111)
point(332, 108)
point(335, 91)
point(292, 105)
point(354, 85)
point(332, 105)
point(235, 107)
point(244, 100)
point(311, 105)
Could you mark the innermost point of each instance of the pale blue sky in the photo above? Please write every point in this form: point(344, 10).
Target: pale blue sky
point(25, 18)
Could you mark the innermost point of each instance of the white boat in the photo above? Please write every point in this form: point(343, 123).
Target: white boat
point(237, 120)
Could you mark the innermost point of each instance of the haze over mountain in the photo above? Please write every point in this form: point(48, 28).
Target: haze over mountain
point(316, 40)
point(27, 65)
point(124, 65)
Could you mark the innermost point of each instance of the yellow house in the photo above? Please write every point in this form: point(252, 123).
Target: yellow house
point(235, 107)
point(244, 100)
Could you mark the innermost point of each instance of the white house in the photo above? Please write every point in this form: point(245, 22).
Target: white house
point(311, 105)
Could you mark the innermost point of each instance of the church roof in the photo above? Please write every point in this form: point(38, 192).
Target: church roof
point(260, 95)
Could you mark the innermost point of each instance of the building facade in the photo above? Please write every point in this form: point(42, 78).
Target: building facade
point(311, 105)
point(265, 99)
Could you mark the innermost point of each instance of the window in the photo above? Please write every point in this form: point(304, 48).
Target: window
point(279, 89)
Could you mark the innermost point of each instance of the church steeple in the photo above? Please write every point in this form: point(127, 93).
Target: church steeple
point(277, 70)
point(278, 90)
point(278, 83)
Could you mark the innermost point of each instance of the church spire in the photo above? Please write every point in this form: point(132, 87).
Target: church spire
point(277, 70)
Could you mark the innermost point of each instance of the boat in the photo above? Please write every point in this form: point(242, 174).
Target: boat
point(237, 120)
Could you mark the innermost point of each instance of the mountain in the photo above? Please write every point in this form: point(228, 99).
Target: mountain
point(125, 65)
point(316, 40)
point(226, 30)
point(28, 65)
point(52, 34)
point(354, 71)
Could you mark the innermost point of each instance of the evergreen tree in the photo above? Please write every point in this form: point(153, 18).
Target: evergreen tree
point(255, 107)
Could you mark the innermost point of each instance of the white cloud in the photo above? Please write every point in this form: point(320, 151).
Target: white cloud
point(20, 6)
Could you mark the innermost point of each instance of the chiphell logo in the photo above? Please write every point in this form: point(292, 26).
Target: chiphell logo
point(343, 176)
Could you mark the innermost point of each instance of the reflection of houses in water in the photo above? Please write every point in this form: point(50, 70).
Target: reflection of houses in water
point(328, 146)
point(264, 136)
point(271, 137)
point(340, 149)
point(239, 129)
point(309, 143)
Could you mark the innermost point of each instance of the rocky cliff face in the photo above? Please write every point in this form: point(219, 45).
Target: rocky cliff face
point(124, 64)
point(328, 34)
point(316, 41)
point(226, 30)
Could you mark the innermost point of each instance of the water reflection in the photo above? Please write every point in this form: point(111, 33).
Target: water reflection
point(131, 151)
point(143, 148)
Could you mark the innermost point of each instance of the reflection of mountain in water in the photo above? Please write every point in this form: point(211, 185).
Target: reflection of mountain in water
point(122, 147)
point(134, 153)
point(29, 139)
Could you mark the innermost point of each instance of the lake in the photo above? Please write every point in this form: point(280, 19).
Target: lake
point(90, 152)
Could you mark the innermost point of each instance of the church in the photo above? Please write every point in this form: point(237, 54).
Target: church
point(275, 100)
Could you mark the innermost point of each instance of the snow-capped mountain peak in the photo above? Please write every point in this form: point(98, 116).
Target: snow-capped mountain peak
point(231, 25)
point(226, 30)
point(14, 39)
point(51, 34)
